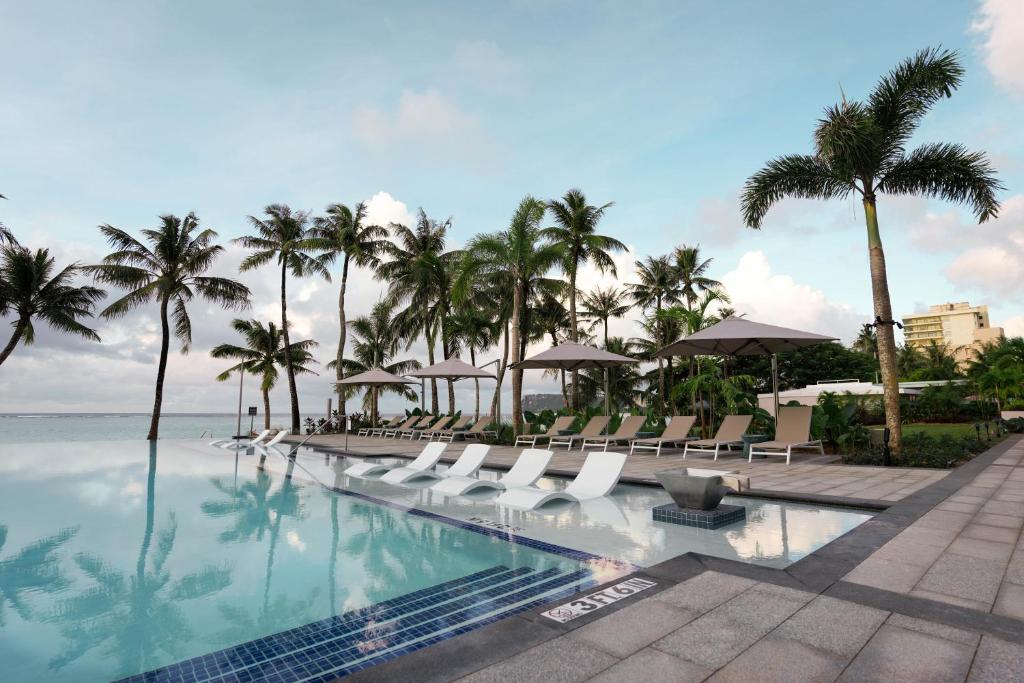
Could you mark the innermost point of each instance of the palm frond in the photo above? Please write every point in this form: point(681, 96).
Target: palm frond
point(794, 175)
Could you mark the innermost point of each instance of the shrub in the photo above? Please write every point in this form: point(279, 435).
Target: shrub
point(922, 450)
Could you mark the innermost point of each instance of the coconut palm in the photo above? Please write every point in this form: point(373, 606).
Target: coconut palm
point(31, 288)
point(520, 259)
point(691, 271)
point(658, 287)
point(866, 341)
point(375, 344)
point(6, 236)
point(861, 148)
point(170, 271)
point(418, 274)
point(598, 307)
point(284, 235)
point(938, 363)
point(575, 231)
point(262, 355)
point(474, 327)
point(550, 320)
point(341, 233)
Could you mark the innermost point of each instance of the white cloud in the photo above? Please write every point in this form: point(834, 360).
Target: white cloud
point(1014, 327)
point(780, 300)
point(383, 209)
point(1001, 24)
point(484, 64)
point(425, 122)
point(997, 267)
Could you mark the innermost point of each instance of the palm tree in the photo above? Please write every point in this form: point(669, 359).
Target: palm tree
point(599, 306)
point(548, 318)
point(691, 274)
point(284, 235)
point(939, 363)
point(908, 361)
point(341, 232)
point(575, 232)
point(866, 341)
point(657, 288)
point(171, 272)
point(5, 233)
point(473, 326)
point(376, 342)
point(520, 259)
point(419, 274)
point(30, 289)
point(860, 147)
point(262, 354)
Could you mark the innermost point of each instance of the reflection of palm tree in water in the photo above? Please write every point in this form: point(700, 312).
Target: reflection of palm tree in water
point(136, 619)
point(257, 512)
point(33, 569)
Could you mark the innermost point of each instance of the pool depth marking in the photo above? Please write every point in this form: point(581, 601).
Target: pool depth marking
point(595, 601)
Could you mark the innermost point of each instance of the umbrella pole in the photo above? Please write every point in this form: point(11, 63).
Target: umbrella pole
point(775, 384)
point(423, 396)
point(607, 396)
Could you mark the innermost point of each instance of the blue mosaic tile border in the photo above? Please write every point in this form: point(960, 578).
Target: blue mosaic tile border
point(701, 519)
point(346, 643)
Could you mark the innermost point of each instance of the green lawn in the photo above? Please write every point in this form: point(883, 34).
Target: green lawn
point(942, 429)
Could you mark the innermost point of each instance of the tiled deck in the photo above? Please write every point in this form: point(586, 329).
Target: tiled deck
point(930, 590)
point(809, 474)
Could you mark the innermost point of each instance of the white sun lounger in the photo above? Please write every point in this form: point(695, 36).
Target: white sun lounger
point(231, 443)
point(426, 460)
point(529, 467)
point(467, 465)
point(792, 431)
point(598, 477)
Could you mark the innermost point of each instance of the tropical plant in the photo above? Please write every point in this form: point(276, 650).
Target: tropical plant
point(619, 385)
point(998, 370)
point(418, 274)
point(691, 272)
point(938, 363)
point(342, 233)
point(598, 307)
point(473, 326)
point(834, 421)
point(517, 259)
point(657, 288)
point(866, 341)
point(861, 147)
point(575, 232)
point(262, 354)
point(375, 344)
point(170, 271)
point(550, 320)
point(6, 236)
point(283, 235)
point(31, 288)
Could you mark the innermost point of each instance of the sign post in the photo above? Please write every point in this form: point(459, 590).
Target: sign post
point(252, 417)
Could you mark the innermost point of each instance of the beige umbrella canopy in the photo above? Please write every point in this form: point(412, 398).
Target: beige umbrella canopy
point(576, 357)
point(452, 369)
point(742, 337)
point(372, 377)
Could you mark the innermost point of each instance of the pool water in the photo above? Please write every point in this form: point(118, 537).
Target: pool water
point(118, 558)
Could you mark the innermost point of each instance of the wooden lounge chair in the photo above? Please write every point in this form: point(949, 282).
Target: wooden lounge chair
point(380, 429)
point(597, 478)
point(459, 428)
point(792, 430)
point(480, 430)
point(595, 427)
point(419, 422)
point(626, 431)
point(676, 432)
point(438, 431)
point(561, 424)
point(418, 430)
point(392, 431)
point(729, 434)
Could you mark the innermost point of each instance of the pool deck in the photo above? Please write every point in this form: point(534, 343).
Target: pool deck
point(930, 589)
point(810, 476)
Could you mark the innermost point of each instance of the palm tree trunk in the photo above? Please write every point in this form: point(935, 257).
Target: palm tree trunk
point(339, 372)
point(147, 536)
point(430, 361)
point(884, 332)
point(447, 352)
point(476, 384)
point(296, 427)
point(607, 380)
point(662, 387)
point(161, 371)
point(266, 408)
point(574, 330)
point(501, 375)
point(517, 373)
point(19, 330)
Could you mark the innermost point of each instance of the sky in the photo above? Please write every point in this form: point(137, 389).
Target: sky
point(118, 112)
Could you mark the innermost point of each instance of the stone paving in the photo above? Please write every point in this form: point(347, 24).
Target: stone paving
point(936, 594)
point(966, 551)
point(809, 473)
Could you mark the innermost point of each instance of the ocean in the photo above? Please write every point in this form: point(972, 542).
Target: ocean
point(40, 427)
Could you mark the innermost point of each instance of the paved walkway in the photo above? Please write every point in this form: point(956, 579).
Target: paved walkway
point(809, 474)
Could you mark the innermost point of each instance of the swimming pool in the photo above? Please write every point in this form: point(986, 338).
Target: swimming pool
point(195, 563)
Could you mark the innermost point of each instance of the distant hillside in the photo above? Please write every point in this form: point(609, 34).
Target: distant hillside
point(538, 402)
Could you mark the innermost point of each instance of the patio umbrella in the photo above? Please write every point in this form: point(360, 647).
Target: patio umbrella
point(372, 377)
point(452, 369)
point(742, 337)
point(576, 357)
